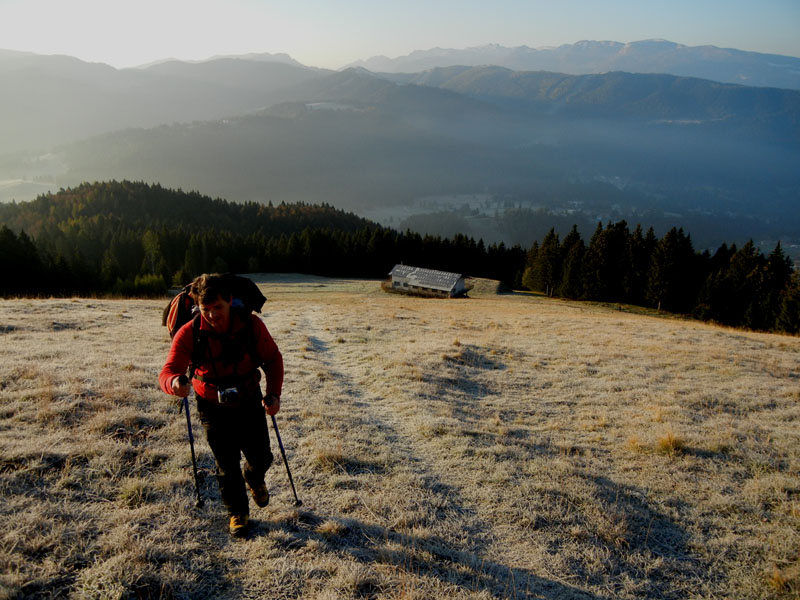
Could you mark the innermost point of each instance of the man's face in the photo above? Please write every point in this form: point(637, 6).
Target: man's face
point(217, 313)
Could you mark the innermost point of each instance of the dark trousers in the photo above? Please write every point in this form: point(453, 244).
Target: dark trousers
point(232, 431)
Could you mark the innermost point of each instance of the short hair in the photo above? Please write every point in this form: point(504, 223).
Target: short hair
point(207, 287)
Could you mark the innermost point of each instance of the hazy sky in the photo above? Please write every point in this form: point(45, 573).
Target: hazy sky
point(333, 33)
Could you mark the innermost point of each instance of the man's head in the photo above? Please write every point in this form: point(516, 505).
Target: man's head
point(212, 295)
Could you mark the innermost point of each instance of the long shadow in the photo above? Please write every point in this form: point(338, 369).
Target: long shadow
point(460, 376)
point(651, 549)
point(317, 345)
point(643, 545)
point(422, 556)
point(650, 533)
point(426, 556)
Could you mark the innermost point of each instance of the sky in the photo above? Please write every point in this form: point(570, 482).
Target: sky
point(333, 33)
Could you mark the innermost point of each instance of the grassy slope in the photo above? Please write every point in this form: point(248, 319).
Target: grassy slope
point(504, 446)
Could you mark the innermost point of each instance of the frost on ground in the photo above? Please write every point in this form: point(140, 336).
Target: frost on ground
point(494, 447)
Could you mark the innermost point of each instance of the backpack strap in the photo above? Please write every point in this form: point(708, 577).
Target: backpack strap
point(199, 344)
point(250, 341)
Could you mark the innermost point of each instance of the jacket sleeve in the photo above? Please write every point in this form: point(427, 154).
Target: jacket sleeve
point(178, 359)
point(271, 358)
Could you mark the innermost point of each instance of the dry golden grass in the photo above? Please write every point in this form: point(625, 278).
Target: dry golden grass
point(494, 447)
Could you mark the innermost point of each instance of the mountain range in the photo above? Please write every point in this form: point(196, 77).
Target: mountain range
point(726, 65)
point(51, 100)
point(487, 150)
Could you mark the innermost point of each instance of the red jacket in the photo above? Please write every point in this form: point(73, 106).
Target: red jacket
point(240, 368)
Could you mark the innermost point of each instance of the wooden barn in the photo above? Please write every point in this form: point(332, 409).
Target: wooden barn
point(426, 282)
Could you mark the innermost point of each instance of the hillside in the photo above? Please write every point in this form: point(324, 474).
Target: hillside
point(715, 159)
point(38, 91)
point(618, 94)
point(476, 150)
point(137, 206)
point(499, 446)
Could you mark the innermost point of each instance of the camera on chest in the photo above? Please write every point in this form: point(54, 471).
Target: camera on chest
point(228, 395)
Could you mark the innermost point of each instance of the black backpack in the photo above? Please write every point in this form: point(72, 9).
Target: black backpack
point(181, 308)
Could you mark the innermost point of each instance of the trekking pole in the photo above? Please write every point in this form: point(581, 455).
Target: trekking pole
point(297, 501)
point(183, 380)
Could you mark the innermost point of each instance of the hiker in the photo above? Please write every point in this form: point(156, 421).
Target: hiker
point(225, 345)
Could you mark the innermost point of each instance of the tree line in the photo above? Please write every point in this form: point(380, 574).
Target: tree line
point(733, 286)
point(131, 238)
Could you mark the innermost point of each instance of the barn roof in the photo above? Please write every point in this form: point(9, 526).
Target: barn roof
point(429, 278)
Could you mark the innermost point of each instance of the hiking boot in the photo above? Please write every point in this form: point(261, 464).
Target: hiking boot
point(260, 495)
point(238, 525)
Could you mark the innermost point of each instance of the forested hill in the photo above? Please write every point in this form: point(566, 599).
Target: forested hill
point(138, 239)
point(140, 206)
point(132, 238)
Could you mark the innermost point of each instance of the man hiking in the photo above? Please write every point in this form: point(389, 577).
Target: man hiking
point(225, 346)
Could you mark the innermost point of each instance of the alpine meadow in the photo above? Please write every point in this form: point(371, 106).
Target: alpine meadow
point(499, 446)
point(599, 398)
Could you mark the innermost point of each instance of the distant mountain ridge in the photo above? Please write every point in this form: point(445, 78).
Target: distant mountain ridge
point(774, 113)
point(726, 65)
point(487, 138)
point(51, 100)
point(357, 139)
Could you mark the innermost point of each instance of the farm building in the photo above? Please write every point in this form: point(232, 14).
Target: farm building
point(427, 282)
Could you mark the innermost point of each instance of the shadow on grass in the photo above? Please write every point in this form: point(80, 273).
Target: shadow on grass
point(317, 345)
point(417, 556)
point(646, 551)
point(655, 537)
point(607, 537)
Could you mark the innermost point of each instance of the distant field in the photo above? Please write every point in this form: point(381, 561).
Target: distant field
point(506, 446)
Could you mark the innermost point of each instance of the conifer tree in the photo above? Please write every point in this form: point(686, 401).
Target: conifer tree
point(530, 261)
point(22, 267)
point(746, 274)
point(777, 273)
point(730, 293)
point(788, 319)
point(547, 266)
point(573, 250)
point(672, 281)
point(592, 266)
point(642, 248)
point(607, 264)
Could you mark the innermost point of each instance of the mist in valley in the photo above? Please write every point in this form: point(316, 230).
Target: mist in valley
point(489, 152)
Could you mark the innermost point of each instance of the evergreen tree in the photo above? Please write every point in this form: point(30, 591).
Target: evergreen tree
point(547, 265)
point(607, 264)
point(592, 266)
point(788, 319)
point(642, 249)
point(775, 280)
point(714, 292)
point(573, 250)
point(21, 265)
point(746, 274)
point(672, 281)
point(730, 294)
point(530, 261)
